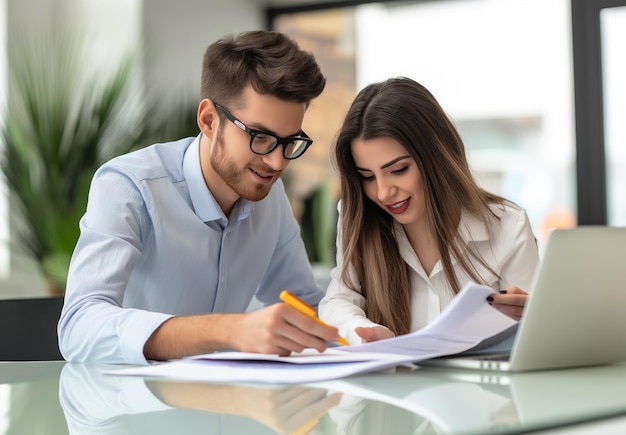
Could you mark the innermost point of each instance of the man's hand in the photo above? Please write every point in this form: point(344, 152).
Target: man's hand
point(280, 329)
point(277, 329)
point(373, 333)
point(510, 301)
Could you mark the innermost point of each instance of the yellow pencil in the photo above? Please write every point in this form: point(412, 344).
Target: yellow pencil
point(298, 304)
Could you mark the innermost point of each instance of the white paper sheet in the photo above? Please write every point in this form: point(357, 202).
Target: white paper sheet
point(307, 356)
point(467, 321)
point(272, 372)
point(464, 323)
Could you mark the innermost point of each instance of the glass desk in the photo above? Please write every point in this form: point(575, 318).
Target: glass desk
point(60, 398)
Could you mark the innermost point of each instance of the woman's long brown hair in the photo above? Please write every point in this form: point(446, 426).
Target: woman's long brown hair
point(404, 110)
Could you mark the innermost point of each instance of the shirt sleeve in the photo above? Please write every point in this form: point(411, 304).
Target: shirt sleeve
point(342, 307)
point(93, 325)
point(521, 262)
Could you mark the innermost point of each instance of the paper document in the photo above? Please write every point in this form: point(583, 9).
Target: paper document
point(307, 356)
point(463, 324)
point(467, 321)
point(272, 372)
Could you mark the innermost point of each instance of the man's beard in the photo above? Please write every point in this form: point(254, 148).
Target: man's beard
point(234, 177)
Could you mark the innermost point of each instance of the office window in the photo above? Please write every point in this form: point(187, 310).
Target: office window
point(329, 34)
point(502, 69)
point(613, 37)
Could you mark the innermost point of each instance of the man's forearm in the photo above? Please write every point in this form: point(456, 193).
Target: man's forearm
point(183, 336)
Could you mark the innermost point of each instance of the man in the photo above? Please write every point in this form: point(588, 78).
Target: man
point(179, 237)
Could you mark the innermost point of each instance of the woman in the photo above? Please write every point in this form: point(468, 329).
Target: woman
point(415, 227)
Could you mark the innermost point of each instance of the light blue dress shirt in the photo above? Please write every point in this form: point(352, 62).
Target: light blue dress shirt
point(154, 244)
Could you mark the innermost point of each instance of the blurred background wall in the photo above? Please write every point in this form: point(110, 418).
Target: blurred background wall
point(503, 69)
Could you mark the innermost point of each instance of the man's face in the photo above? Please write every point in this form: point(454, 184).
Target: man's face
point(235, 171)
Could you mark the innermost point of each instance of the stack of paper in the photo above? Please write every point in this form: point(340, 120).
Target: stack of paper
point(465, 323)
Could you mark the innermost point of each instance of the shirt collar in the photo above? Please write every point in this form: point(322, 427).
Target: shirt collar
point(204, 204)
point(471, 229)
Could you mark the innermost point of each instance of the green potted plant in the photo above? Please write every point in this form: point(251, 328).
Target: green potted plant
point(318, 227)
point(61, 123)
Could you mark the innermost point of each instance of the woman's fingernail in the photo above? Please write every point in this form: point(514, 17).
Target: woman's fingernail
point(490, 299)
point(502, 292)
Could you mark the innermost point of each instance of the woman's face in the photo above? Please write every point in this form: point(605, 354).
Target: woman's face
point(390, 177)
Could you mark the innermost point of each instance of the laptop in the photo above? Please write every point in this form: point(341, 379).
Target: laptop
point(576, 313)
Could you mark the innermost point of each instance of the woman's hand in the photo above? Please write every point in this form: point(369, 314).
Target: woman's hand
point(373, 333)
point(510, 301)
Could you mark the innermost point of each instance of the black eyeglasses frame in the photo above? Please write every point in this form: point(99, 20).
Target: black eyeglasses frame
point(284, 141)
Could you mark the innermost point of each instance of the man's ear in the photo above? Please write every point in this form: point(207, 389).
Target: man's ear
point(208, 120)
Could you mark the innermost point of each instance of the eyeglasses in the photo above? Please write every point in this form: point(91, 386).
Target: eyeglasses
point(262, 142)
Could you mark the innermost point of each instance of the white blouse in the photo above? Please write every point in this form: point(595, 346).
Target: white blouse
point(508, 246)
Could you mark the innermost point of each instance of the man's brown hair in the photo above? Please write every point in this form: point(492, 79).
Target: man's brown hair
point(271, 62)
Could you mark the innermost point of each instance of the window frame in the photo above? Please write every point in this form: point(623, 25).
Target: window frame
point(589, 110)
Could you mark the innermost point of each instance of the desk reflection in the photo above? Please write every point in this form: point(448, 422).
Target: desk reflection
point(96, 403)
point(401, 403)
point(28, 395)
point(286, 410)
point(420, 401)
